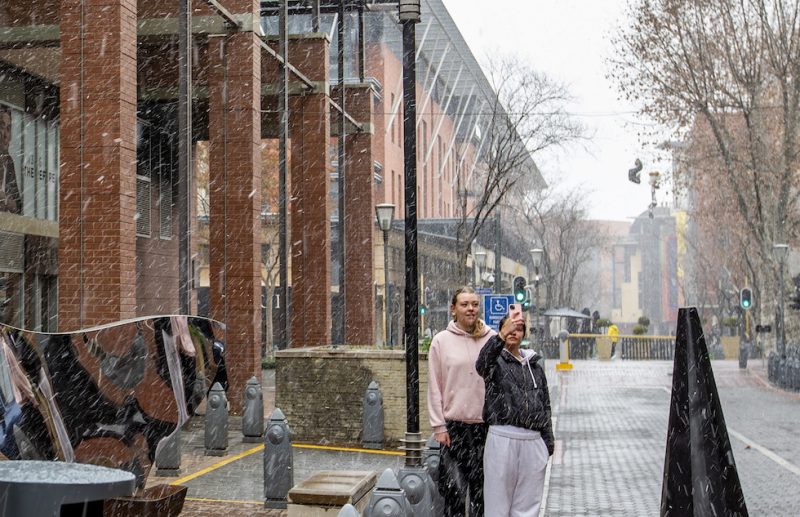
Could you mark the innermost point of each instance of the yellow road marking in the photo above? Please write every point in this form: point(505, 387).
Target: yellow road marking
point(260, 448)
point(217, 465)
point(347, 449)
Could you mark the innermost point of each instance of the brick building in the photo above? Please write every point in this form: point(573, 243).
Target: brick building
point(98, 205)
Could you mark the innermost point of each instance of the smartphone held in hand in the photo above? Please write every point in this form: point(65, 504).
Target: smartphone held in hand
point(515, 313)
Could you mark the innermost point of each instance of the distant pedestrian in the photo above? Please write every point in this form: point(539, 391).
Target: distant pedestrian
point(455, 404)
point(613, 333)
point(520, 436)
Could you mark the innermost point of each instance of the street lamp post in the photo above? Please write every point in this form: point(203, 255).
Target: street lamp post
point(409, 16)
point(781, 251)
point(385, 215)
point(536, 255)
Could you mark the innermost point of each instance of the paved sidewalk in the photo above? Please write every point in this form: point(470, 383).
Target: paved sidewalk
point(611, 429)
point(611, 425)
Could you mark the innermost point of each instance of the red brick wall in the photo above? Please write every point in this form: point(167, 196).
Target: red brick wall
point(309, 127)
point(97, 193)
point(235, 187)
point(360, 220)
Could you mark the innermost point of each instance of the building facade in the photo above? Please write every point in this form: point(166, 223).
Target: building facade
point(130, 182)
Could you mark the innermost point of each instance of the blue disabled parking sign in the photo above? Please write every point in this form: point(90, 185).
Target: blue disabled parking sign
point(495, 307)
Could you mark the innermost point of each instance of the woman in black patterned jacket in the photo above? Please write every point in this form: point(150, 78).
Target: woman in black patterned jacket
point(517, 410)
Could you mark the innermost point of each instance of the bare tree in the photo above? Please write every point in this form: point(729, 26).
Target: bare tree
point(525, 116)
point(557, 222)
point(729, 70)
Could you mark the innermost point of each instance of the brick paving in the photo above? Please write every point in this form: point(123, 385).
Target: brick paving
point(611, 424)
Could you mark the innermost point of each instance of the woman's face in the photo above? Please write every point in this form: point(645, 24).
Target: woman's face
point(466, 309)
point(514, 338)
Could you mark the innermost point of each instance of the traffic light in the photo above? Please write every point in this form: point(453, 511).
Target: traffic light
point(746, 298)
point(422, 309)
point(634, 174)
point(519, 288)
point(527, 304)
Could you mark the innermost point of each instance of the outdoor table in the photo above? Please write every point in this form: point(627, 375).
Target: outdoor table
point(42, 488)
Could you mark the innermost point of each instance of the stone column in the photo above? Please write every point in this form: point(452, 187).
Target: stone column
point(310, 235)
point(235, 188)
point(97, 237)
point(359, 213)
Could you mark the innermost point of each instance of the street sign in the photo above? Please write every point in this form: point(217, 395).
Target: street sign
point(495, 307)
point(480, 291)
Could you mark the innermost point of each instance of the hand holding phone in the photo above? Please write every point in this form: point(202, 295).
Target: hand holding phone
point(515, 314)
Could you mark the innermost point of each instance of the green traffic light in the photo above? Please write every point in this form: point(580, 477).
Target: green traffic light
point(519, 296)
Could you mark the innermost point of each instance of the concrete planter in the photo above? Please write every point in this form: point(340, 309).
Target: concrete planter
point(321, 392)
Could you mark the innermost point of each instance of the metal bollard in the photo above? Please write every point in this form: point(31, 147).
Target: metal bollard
point(744, 353)
point(432, 460)
point(278, 471)
point(372, 423)
point(772, 365)
point(168, 455)
point(782, 371)
point(388, 499)
point(216, 437)
point(253, 412)
point(794, 376)
point(348, 510)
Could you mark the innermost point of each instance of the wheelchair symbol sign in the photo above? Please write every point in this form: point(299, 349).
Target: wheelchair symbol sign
point(497, 305)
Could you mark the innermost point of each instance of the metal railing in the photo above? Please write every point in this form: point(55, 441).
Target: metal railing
point(629, 347)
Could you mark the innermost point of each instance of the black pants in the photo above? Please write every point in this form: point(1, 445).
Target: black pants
point(462, 469)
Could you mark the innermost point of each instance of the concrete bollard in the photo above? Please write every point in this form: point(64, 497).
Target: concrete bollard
point(388, 499)
point(417, 486)
point(168, 455)
point(253, 412)
point(278, 470)
point(216, 437)
point(372, 423)
point(348, 510)
point(432, 460)
point(563, 347)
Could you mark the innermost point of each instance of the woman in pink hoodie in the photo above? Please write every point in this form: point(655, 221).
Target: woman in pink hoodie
point(455, 404)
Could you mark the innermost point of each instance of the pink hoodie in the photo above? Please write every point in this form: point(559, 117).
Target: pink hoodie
point(455, 390)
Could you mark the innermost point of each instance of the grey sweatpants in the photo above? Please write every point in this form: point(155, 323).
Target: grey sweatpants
point(514, 464)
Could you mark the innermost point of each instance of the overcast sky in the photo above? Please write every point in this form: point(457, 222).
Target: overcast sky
point(569, 40)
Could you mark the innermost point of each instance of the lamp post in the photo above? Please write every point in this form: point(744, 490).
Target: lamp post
point(409, 15)
point(781, 251)
point(536, 255)
point(480, 262)
point(385, 214)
